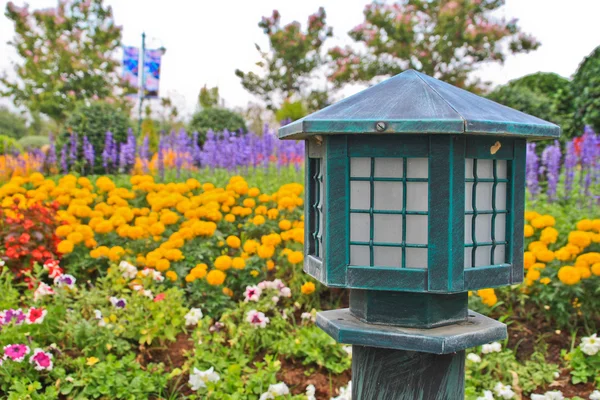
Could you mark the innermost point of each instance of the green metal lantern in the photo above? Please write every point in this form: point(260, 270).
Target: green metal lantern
point(415, 195)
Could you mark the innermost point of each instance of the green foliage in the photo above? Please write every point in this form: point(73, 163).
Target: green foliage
point(66, 56)
point(313, 347)
point(34, 142)
point(291, 110)
point(545, 95)
point(443, 39)
point(217, 120)
point(586, 85)
point(293, 57)
point(584, 368)
point(12, 124)
point(208, 98)
point(500, 367)
point(8, 144)
point(94, 120)
point(111, 378)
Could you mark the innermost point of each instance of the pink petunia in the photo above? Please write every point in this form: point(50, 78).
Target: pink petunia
point(16, 352)
point(257, 319)
point(41, 359)
point(41, 291)
point(252, 293)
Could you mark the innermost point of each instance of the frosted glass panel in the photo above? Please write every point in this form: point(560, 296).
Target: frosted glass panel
point(360, 195)
point(359, 255)
point(469, 168)
point(482, 256)
point(483, 228)
point(468, 230)
point(500, 227)
point(360, 225)
point(416, 229)
point(387, 256)
point(488, 209)
point(388, 167)
point(484, 196)
point(485, 169)
point(417, 168)
point(388, 196)
point(388, 228)
point(501, 169)
point(416, 258)
point(468, 251)
point(500, 254)
point(360, 167)
point(501, 196)
point(416, 196)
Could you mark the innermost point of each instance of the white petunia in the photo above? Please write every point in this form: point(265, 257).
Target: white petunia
point(193, 316)
point(252, 293)
point(128, 271)
point(41, 291)
point(199, 379)
point(474, 357)
point(595, 395)
point(538, 397)
point(554, 395)
point(345, 393)
point(347, 349)
point(310, 392)
point(257, 319)
point(504, 391)
point(590, 345)
point(491, 348)
point(487, 395)
point(274, 391)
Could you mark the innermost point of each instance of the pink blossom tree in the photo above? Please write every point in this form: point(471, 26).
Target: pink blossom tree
point(293, 57)
point(446, 39)
point(67, 55)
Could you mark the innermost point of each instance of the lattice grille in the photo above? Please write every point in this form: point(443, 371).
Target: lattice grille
point(486, 212)
point(389, 212)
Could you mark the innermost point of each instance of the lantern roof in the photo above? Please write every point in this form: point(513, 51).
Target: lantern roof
point(413, 103)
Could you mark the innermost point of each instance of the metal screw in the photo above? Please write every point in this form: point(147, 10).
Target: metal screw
point(380, 126)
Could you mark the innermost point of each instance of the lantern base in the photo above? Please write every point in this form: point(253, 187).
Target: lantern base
point(346, 328)
point(406, 375)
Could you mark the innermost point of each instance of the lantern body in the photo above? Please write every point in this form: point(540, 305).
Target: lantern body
point(416, 213)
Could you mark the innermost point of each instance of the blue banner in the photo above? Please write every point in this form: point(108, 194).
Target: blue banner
point(152, 72)
point(131, 62)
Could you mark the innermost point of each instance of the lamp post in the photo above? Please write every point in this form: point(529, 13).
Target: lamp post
point(415, 195)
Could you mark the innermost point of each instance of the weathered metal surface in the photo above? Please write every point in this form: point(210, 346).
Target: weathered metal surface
point(412, 102)
point(385, 374)
point(415, 310)
point(347, 328)
point(517, 202)
point(385, 278)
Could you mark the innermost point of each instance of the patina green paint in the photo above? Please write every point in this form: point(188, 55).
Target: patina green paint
point(416, 310)
point(385, 374)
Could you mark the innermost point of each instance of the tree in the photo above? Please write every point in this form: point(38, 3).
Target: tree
point(208, 97)
point(293, 57)
point(67, 56)
point(545, 95)
point(586, 85)
point(12, 124)
point(446, 39)
point(217, 120)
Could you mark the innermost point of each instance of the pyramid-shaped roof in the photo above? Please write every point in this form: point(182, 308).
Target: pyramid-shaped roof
point(412, 102)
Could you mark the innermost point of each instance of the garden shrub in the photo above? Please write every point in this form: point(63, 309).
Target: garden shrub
point(217, 120)
point(12, 124)
point(34, 142)
point(9, 145)
point(94, 120)
point(586, 84)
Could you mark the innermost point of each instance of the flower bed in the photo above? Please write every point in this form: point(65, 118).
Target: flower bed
point(195, 290)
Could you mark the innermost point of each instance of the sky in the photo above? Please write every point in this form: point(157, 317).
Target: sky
point(206, 41)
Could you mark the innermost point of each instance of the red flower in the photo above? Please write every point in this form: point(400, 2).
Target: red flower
point(28, 224)
point(37, 254)
point(159, 297)
point(24, 238)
